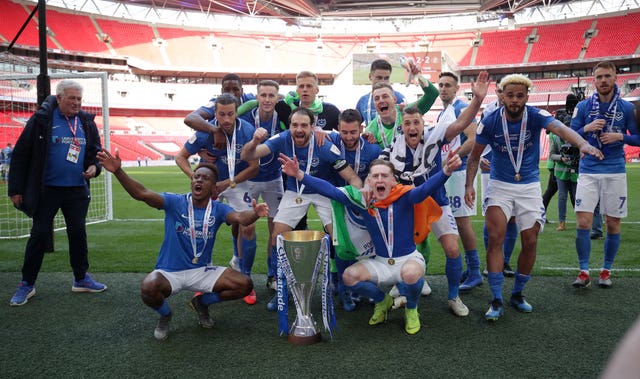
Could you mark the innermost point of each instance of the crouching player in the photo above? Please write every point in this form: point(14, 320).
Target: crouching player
point(184, 261)
point(390, 221)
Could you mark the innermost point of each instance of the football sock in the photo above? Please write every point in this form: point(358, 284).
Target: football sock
point(235, 245)
point(413, 291)
point(271, 262)
point(495, 280)
point(519, 282)
point(510, 237)
point(611, 245)
point(164, 309)
point(485, 236)
point(209, 298)
point(248, 255)
point(583, 247)
point(453, 270)
point(368, 289)
point(473, 260)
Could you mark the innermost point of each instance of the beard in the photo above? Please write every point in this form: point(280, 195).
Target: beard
point(515, 114)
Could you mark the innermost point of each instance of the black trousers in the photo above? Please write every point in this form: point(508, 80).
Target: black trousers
point(74, 203)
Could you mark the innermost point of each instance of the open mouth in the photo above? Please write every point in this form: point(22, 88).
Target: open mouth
point(197, 189)
point(380, 190)
point(384, 108)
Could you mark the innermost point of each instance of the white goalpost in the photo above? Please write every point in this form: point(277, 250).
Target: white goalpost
point(18, 101)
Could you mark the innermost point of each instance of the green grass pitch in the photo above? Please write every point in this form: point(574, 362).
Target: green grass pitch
point(59, 334)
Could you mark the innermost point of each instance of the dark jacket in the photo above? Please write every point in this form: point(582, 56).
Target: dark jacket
point(30, 154)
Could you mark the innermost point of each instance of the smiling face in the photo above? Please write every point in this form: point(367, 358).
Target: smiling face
point(413, 129)
point(385, 102)
point(300, 128)
point(203, 185)
point(381, 180)
point(226, 117)
point(350, 134)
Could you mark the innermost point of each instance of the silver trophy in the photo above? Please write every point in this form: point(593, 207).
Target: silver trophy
point(302, 250)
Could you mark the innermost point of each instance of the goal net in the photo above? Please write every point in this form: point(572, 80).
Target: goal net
point(18, 101)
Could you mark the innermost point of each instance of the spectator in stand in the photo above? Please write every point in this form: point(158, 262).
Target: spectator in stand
point(380, 72)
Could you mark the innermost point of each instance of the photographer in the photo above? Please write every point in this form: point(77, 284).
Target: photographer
point(566, 158)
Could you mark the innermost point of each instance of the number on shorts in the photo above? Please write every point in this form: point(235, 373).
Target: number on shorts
point(246, 198)
point(623, 199)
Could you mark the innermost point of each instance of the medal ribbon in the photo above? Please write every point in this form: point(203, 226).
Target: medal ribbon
point(387, 241)
point(523, 131)
point(356, 164)
point(192, 227)
point(231, 155)
point(274, 121)
point(312, 142)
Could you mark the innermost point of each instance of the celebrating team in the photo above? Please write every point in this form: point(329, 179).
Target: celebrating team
point(326, 155)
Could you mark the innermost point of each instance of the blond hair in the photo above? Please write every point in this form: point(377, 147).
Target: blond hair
point(517, 79)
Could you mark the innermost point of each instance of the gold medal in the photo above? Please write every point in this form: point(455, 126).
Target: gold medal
point(518, 177)
point(194, 260)
point(391, 261)
point(232, 185)
point(298, 200)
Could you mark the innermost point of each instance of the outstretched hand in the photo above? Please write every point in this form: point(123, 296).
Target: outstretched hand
point(109, 162)
point(590, 150)
point(289, 166)
point(262, 209)
point(480, 87)
point(453, 162)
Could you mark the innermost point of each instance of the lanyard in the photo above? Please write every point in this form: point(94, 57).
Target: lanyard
point(73, 128)
point(517, 162)
point(231, 156)
point(387, 241)
point(192, 229)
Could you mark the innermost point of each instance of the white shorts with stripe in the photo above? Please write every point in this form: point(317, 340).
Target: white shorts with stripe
point(524, 201)
point(609, 189)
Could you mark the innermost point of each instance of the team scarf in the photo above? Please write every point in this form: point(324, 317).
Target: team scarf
point(291, 98)
point(609, 115)
point(425, 213)
point(423, 157)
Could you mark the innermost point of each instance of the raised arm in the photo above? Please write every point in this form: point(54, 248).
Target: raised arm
point(199, 120)
point(132, 186)
point(479, 90)
point(291, 168)
point(255, 149)
point(436, 181)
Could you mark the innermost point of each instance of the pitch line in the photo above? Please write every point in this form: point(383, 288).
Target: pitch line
point(595, 270)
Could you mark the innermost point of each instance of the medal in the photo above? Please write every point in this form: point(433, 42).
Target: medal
point(307, 170)
point(517, 161)
point(388, 237)
point(232, 185)
point(391, 261)
point(192, 229)
point(298, 200)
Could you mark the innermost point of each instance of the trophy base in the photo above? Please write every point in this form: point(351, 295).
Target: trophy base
point(304, 340)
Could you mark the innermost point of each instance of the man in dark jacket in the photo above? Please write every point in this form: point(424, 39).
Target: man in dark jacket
point(51, 165)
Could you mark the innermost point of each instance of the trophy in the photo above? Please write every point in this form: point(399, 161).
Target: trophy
point(300, 256)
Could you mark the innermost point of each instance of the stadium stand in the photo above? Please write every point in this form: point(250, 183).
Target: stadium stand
point(75, 32)
point(511, 44)
point(607, 41)
point(559, 42)
point(13, 16)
